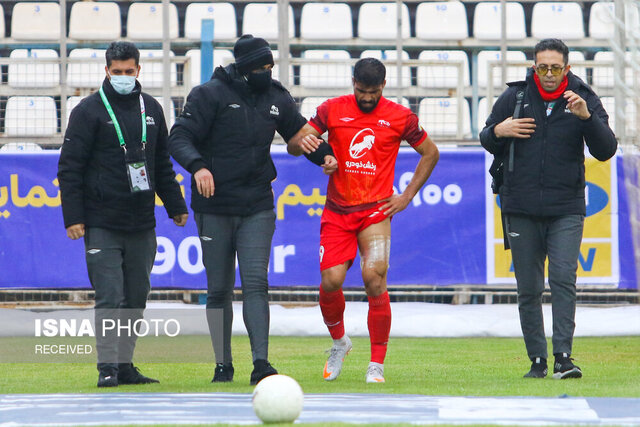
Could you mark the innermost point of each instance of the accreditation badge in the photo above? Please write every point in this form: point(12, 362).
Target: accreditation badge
point(138, 176)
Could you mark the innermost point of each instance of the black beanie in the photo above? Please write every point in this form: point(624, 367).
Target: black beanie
point(251, 53)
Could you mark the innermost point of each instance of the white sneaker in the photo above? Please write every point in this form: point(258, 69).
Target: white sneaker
point(375, 373)
point(337, 354)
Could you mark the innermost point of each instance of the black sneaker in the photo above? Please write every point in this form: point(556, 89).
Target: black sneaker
point(223, 373)
point(108, 378)
point(261, 369)
point(564, 367)
point(538, 368)
point(129, 374)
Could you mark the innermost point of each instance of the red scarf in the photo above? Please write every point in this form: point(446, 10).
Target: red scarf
point(551, 96)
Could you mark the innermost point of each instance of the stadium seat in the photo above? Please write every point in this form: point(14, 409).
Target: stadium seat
point(562, 20)
point(603, 76)
point(33, 73)
point(318, 75)
point(20, 146)
point(220, 57)
point(1, 22)
point(392, 69)
point(326, 21)
point(483, 111)
point(144, 21)
point(580, 71)
point(601, 23)
point(172, 110)
point(151, 71)
point(91, 20)
point(441, 20)
point(276, 69)
point(442, 75)
point(72, 102)
point(224, 20)
point(35, 21)
point(439, 117)
point(30, 116)
point(261, 20)
point(378, 21)
point(514, 73)
point(487, 21)
point(609, 103)
point(309, 104)
point(88, 74)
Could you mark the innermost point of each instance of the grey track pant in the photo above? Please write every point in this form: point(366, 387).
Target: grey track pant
point(119, 264)
point(249, 238)
point(532, 240)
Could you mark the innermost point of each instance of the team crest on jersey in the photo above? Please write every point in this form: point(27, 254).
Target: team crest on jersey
point(361, 143)
point(384, 123)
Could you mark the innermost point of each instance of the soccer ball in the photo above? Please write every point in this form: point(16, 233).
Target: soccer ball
point(277, 399)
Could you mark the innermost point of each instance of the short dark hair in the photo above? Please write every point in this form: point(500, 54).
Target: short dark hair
point(369, 72)
point(121, 51)
point(552, 44)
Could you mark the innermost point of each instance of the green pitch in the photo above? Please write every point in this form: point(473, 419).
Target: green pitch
point(430, 366)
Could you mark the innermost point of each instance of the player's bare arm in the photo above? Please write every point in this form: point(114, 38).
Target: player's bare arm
point(305, 141)
point(429, 156)
point(515, 128)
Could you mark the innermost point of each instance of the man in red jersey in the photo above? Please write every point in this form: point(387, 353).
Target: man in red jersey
point(365, 131)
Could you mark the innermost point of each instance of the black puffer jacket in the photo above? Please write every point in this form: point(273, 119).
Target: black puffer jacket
point(548, 170)
point(229, 129)
point(92, 172)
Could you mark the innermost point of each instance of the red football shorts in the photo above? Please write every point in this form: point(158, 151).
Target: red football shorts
point(338, 234)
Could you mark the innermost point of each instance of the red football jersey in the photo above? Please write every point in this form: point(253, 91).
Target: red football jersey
point(366, 147)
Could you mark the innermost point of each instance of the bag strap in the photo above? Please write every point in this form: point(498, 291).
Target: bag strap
point(516, 114)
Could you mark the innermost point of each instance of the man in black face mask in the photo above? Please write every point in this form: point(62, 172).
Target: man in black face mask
point(223, 138)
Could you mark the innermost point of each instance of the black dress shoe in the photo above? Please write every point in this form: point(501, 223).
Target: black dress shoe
point(261, 369)
point(223, 373)
point(129, 374)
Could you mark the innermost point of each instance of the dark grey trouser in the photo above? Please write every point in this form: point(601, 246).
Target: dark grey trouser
point(249, 238)
point(532, 239)
point(119, 265)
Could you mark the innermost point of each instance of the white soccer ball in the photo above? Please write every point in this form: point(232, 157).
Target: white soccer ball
point(278, 399)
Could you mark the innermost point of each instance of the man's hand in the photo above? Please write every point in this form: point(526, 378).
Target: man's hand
point(577, 105)
point(515, 128)
point(180, 220)
point(309, 143)
point(204, 182)
point(394, 204)
point(330, 165)
point(75, 231)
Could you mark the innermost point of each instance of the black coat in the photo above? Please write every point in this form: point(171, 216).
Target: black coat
point(228, 129)
point(92, 173)
point(548, 170)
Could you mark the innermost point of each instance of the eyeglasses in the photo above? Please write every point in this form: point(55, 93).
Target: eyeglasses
point(543, 69)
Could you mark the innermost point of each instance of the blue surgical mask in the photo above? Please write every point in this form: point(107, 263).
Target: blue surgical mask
point(123, 84)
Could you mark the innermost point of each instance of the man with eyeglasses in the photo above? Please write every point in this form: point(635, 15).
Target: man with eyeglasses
point(542, 195)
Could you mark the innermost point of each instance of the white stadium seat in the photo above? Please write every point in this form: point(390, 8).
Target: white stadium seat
point(443, 76)
point(220, 57)
point(609, 103)
point(224, 20)
point(561, 20)
point(20, 146)
point(601, 23)
point(89, 73)
point(275, 73)
point(35, 21)
point(326, 21)
point(34, 74)
point(72, 102)
point(514, 73)
point(309, 104)
point(261, 20)
point(392, 69)
point(487, 21)
point(144, 21)
point(318, 75)
point(92, 20)
point(172, 110)
point(439, 117)
point(441, 20)
point(1, 21)
point(378, 21)
point(483, 111)
point(30, 116)
point(151, 71)
point(580, 71)
point(603, 76)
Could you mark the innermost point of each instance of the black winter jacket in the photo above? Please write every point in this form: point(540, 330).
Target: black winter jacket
point(92, 172)
point(548, 170)
point(228, 129)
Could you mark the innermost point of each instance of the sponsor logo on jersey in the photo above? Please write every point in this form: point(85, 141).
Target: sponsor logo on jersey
point(347, 119)
point(362, 143)
point(384, 123)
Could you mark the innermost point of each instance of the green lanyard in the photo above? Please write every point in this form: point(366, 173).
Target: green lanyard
point(105, 101)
